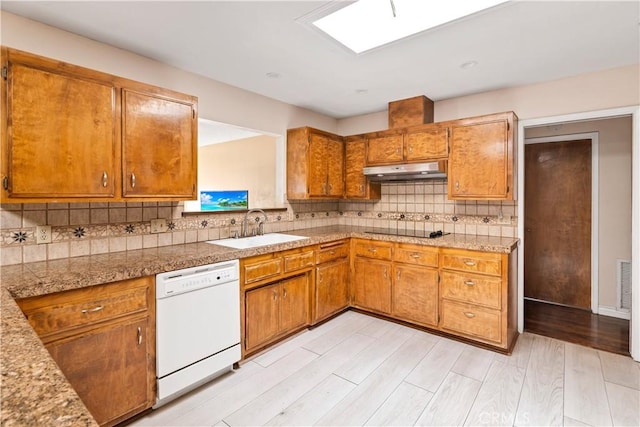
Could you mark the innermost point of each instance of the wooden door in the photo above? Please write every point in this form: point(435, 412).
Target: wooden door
point(159, 146)
point(558, 222)
point(261, 315)
point(317, 176)
point(332, 288)
point(372, 284)
point(355, 181)
point(415, 294)
point(427, 144)
point(294, 303)
point(108, 369)
point(479, 161)
point(335, 167)
point(61, 135)
point(384, 150)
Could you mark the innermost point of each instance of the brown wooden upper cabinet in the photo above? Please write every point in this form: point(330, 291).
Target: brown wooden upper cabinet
point(315, 164)
point(414, 144)
point(74, 134)
point(481, 161)
point(357, 186)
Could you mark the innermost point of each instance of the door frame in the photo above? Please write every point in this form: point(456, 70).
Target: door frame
point(634, 112)
point(593, 136)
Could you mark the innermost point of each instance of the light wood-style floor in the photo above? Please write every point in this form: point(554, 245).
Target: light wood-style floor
point(360, 370)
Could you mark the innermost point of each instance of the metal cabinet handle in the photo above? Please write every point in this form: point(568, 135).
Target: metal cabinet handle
point(457, 185)
point(415, 255)
point(319, 277)
point(398, 275)
point(105, 178)
point(332, 252)
point(469, 282)
point(275, 295)
point(139, 335)
point(469, 262)
point(373, 250)
point(469, 314)
point(410, 149)
point(385, 273)
point(330, 187)
point(284, 292)
point(92, 310)
point(133, 180)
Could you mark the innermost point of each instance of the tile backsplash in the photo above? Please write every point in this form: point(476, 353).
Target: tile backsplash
point(94, 228)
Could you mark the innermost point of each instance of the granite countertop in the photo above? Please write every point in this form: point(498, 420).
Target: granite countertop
point(35, 392)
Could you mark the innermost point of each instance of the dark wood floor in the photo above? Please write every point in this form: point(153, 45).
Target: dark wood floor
point(577, 326)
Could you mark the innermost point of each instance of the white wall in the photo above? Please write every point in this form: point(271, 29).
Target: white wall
point(619, 87)
point(216, 101)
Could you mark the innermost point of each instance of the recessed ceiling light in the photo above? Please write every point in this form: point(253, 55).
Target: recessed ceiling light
point(367, 24)
point(468, 64)
point(362, 91)
point(273, 75)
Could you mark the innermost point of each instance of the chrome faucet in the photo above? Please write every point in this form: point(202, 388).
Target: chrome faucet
point(245, 224)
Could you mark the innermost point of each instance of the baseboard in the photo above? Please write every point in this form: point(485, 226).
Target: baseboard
point(613, 312)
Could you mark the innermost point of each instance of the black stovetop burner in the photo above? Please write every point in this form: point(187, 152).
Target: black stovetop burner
point(408, 233)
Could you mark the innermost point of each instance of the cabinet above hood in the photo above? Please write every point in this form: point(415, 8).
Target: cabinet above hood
point(406, 172)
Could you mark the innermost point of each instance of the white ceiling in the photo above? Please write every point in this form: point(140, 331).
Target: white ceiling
point(211, 132)
point(240, 42)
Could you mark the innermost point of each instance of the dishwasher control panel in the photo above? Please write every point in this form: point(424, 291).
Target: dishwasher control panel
point(190, 279)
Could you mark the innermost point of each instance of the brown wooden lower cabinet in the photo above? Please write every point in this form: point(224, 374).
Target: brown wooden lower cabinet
point(414, 295)
point(108, 369)
point(332, 288)
point(103, 339)
point(372, 284)
point(273, 310)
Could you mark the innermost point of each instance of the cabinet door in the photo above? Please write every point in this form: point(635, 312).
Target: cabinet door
point(61, 135)
point(332, 288)
point(294, 303)
point(479, 161)
point(261, 315)
point(335, 167)
point(317, 176)
point(372, 284)
point(415, 294)
point(109, 370)
point(355, 181)
point(384, 150)
point(428, 144)
point(158, 146)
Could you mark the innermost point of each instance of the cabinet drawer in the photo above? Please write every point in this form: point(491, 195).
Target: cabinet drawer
point(68, 310)
point(471, 320)
point(370, 249)
point(479, 262)
point(299, 260)
point(415, 254)
point(471, 288)
point(331, 251)
point(263, 269)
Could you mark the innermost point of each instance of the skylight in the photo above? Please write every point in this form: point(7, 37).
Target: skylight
point(367, 24)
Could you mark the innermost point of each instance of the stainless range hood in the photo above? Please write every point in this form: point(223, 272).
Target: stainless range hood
point(406, 172)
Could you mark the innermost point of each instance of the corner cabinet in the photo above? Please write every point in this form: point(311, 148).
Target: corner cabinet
point(315, 165)
point(103, 340)
point(482, 161)
point(358, 186)
point(91, 136)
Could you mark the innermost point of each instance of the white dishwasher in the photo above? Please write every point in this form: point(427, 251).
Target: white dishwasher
point(197, 326)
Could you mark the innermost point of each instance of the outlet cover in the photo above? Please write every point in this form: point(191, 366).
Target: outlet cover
point(158, 225)
point(43, 234)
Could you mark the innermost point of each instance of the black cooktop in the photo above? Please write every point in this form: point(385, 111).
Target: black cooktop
point(407, 233)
